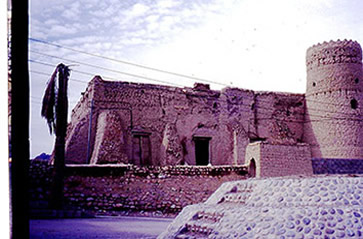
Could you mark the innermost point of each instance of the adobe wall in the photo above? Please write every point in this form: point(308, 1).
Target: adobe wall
point(173, 117)
point(77, 138)
point(274, 160)
point(334, 100)
point(253, 152)
point(279, 117)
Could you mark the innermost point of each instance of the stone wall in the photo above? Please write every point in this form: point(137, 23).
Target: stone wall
point(337, 166)
point(118, 190)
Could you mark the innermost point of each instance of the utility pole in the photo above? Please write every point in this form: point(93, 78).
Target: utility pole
point(60, 131)
point(55, 111)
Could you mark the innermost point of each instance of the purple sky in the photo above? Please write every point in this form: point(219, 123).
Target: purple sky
point(250, 44)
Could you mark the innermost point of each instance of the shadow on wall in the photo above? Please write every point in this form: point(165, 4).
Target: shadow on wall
point(309, 135)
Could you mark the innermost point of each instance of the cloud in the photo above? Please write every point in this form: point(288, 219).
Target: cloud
point(254, 44)
point(138, 9)
point(59, 30)
point(165, 4)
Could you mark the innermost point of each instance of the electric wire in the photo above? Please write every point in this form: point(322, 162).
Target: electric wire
point(321, 116)
point(111, 78)
point(133, 75)
point(310, 108)
point(127, 62)
point(45, 74)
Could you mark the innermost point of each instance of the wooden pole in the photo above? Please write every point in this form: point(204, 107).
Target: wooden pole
point(61, 128)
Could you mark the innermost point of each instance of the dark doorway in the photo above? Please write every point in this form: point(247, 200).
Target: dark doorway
point(201, 150)
point(141, 154)
point(252, 169)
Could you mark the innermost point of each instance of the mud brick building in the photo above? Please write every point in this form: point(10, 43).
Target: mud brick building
point(275, 133)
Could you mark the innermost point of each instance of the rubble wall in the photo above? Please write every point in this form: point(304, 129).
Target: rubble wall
point(119, 190)
point(337, 166)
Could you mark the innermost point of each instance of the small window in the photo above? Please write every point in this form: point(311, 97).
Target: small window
point(314, 84)
point(354, 104)
point(356, 80)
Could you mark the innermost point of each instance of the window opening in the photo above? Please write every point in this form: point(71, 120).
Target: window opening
point(354, 104)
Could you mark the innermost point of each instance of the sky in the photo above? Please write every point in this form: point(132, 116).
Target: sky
point(250, 44)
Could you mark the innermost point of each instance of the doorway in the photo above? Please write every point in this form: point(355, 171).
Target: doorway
point(201, 150)
point(252, 168)
point(141, 154)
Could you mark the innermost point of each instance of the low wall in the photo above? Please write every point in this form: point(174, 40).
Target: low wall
point(337, 166)
point(116, 190)
point(276, 160)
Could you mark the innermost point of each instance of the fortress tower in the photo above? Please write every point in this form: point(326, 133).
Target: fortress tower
point(334, 100)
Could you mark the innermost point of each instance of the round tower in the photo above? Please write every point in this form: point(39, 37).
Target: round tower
point(334, 100)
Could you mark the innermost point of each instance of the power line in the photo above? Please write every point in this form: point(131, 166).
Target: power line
point(106, 69)
point(111, 78)
point(133, 75)
point(128, 63)
point(42, 73)
point(269, 109)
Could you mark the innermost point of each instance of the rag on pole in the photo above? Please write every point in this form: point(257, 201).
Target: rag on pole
point(55, 111)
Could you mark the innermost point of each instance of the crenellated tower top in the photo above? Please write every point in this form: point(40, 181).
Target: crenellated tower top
point(332, 52)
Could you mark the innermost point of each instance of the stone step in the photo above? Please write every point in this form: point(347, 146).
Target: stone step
point(296, 207)
point(196, 229)
point(238, 198)
point(211, 217)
